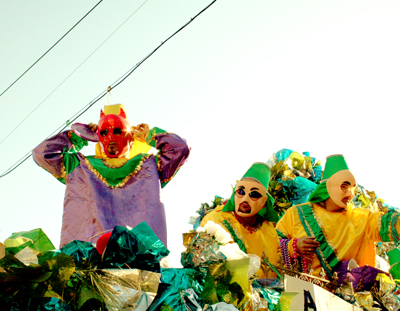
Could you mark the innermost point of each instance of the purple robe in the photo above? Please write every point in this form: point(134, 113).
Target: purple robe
point(91, 207)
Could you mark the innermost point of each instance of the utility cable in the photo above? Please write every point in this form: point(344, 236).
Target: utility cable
point(51, 48)
point(101, 95)
point(84, 61)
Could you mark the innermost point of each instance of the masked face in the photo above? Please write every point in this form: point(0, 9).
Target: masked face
point(341, 187)
point(250, 197)
point(115, 136)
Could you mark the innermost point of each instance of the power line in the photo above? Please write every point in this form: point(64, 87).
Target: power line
point(51, 48)
point(101, 95)
point(84, 61)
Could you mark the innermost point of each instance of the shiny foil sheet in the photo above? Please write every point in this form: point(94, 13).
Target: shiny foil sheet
point(201, 251)
point(127, 289)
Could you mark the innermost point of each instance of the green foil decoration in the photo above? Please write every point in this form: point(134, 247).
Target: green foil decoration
point(35, 239)
point(178, 280)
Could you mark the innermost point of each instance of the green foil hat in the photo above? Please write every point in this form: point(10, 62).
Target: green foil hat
point(261, 173)
point(334, 163)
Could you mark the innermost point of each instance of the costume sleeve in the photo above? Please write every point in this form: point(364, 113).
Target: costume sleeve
point(57, 155)
point(284, 227)
point(173, 153)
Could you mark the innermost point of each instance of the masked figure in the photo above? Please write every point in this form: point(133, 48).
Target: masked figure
point(249, 215)
point(121, 184)
point(328, 230)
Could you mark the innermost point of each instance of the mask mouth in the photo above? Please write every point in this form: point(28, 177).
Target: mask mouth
point(112, 148)
point(244, 208)
point(346, 200)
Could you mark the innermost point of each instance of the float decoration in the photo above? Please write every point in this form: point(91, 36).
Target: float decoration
point(77, 277)
point(294, 177)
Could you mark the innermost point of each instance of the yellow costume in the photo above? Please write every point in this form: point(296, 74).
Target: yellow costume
point(256, 240)
point(341, 231)
point(350, 234)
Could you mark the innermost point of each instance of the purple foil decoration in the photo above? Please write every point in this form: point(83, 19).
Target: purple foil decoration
point(362, 277)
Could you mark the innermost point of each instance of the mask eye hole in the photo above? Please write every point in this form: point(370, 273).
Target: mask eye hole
point(345, 186)
point(240, 192)
point(117, 131)
point(104, 132)
point(255, 195)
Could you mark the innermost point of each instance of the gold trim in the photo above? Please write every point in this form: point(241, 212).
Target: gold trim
point(158, 162)
point(113, 166)
point(124, 181)
point(63, 172)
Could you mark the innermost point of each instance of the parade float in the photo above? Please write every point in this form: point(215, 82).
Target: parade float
point(125, 269)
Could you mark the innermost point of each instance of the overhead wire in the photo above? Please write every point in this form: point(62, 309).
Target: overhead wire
point(76, 24)
point(102, 94)
point(84, 61)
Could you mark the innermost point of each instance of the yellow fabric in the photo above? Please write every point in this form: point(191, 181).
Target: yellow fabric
point(114, 109)
point(264, 239)
point(351, 233)
point(138, 146)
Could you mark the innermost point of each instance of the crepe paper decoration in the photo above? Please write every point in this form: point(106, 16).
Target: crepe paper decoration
point(36, 239)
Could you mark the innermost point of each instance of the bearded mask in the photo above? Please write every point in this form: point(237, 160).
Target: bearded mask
point(250, 196)
point(115, 135)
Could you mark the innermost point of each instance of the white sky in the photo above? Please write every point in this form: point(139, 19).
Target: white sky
point(244, 80)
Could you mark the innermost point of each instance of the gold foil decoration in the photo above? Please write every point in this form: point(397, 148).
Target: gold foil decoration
point(126, 289)
point(187, 238)
point(364, 299)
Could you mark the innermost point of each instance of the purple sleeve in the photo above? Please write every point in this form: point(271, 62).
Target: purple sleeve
point(174, 152)
point(48, 154)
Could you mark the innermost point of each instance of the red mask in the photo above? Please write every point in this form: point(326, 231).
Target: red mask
point(115, 134)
